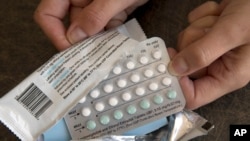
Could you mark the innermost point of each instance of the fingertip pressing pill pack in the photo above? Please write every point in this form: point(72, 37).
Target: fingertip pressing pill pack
point(137, 91)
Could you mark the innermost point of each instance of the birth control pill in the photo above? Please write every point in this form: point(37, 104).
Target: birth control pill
point(143, 60)
point(95, 93)
point(86, 111)
point(130, 65)
point(108, 88)
point(126, 96)
point(161, 68)
point(158, 99)
point(118, 114)
point(171, 94)
point(113, 101)
point(145, 104)
point(104, 119)
point(153, 86)
point(157, 54)
point(148, 73)
point(166, 81)
point(131, 109)
point(135, 78)
point(117, 70)
point(99, 106)
point(82, 100)
point(91, 125)
point(139, 91)
point(121, 83)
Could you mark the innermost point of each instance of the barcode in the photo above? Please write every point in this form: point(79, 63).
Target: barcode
point(34, 100)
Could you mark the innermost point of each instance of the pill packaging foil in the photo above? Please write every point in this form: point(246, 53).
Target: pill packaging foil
point(137, 91)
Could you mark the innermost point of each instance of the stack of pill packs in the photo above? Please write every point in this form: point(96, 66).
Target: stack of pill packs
point(134, 99)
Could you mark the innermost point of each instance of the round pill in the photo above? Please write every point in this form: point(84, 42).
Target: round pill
point(143, 60)
point(161, 68)
point(104, 119)
point(113, 101)
point(99, 106)
point(166, 81)
point(157, 54)
point(153, 86)
point(108, 88)
point(82, 100)
point(126, 96)
point(140, 91)
point(171, 94)
point(117, 70)
point(158, 99)
point(131, 109)
point(118, 114)
point(86, 111)
point(121, 83)
point(135, 78)
point(95, 93)
point(144, 104)
point(130, 65)
point(148, 73)
point(91, 125)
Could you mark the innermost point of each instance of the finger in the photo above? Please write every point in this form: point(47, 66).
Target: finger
point(49, 15)
point(188, 36)
point(117, 20)
point(224, 75)
point(220, 39)
point(210, 8)
point(195, 31)
point(94, 17)
point(80, 3)
point(171, 52)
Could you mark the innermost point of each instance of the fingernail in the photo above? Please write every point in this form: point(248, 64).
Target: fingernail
point(76, 35)
point(178, 67)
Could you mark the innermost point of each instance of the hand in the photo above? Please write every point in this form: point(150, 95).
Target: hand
point(215, 51)
point(87, 17)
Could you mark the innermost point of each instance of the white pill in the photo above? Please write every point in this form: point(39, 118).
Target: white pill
point(108, 88)
point(161, 68)
point(99, 106)
point(140, 91)
point(130, 65)
point(166, 81)
point(153, 86)
point(126, 96)
point(148, 73)
point(143, 60)
point(113, 101)
point(86, 112)
point(121, 83)
point(82, 100)
point(95, 93)
point(135, 78)
point(117, 70)
point(157, 54)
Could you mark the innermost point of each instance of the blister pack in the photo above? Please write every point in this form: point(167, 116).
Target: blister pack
point(138, 90)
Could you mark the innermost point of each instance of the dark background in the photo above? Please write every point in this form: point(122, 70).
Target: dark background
point(24, 47)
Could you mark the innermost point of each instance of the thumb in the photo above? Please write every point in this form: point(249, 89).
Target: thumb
point(220, 39)
point(93, 18)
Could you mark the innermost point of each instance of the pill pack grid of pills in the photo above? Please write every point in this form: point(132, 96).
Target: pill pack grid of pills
point(137, 91)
